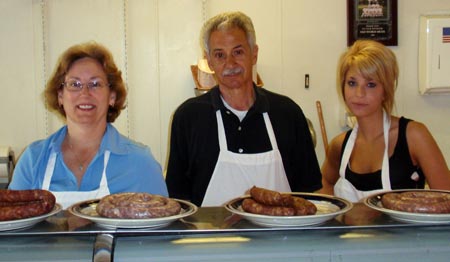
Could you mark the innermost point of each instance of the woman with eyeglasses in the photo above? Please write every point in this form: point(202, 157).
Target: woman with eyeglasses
point(87, 158)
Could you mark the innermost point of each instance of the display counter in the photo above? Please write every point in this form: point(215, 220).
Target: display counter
point(215, 234)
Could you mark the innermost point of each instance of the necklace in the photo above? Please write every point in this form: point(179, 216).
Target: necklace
point(81, 163)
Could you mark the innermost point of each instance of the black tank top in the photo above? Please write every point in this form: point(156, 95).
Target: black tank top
point(401, 168)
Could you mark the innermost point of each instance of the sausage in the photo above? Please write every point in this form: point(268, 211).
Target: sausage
point(137, 206)
point(418, 202)
point(269, 202)
point(251, 206)
point(303, 207)
point(270, 197)
point(20, 204)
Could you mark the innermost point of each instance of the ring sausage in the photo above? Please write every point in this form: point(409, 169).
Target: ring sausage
point(20, 204)
point(137, 206)
point(418, 202)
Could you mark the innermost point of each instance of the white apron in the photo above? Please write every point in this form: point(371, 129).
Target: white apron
point(236, 173)
point(68, 198)
point(343, 188)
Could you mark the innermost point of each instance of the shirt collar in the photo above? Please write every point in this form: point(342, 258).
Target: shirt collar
point(261, 104)
point(111, 141)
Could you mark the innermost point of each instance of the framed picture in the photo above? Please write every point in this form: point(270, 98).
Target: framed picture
point(372, 19)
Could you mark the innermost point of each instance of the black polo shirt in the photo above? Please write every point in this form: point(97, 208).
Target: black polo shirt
point(194, 143)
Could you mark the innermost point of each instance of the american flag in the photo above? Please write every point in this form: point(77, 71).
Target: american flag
point(446, 35)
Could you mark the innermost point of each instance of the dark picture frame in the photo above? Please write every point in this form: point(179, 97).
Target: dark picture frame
point(372, 19)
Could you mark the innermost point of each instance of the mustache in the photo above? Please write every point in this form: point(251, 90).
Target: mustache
point(232, 71)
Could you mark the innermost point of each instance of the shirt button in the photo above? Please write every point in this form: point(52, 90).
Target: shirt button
point(239, 128)
point(228, 112)
point(240, 150)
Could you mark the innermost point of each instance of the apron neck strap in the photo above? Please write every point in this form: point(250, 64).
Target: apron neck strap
point(223, 139)
point(385, 177)
point(51, 167)
point(221, 131)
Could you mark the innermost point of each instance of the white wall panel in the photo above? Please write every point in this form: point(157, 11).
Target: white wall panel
point(179, 27)
point(18, 97)
point(70, 22)
point(154, 43)
point(144, 109)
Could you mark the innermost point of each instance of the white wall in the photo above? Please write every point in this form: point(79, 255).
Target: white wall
point(154, 43)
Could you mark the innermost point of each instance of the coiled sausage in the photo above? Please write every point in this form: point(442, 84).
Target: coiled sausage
point(418, 202)
point(137, 205)
point(20, 204)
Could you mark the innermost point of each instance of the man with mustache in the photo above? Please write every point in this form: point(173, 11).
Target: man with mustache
point(237, 135)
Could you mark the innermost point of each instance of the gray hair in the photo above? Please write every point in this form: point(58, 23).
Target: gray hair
point(226, 21)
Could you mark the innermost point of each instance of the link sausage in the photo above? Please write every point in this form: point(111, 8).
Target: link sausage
point(270, 197)
point(272, 203)
point(303, 207)
point(251, 206)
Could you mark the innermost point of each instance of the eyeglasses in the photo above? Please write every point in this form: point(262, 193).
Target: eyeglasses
point(77, 86)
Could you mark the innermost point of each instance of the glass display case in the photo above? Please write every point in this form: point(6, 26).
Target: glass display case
point(215, 234)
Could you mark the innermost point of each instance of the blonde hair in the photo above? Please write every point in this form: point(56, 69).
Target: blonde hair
point(104, 57)
point(374, 61)
point(226, 21)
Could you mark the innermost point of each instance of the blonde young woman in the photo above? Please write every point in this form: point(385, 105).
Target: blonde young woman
point(382, 152)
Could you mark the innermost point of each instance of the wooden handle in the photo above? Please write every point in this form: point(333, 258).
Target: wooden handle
point(322, 126)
